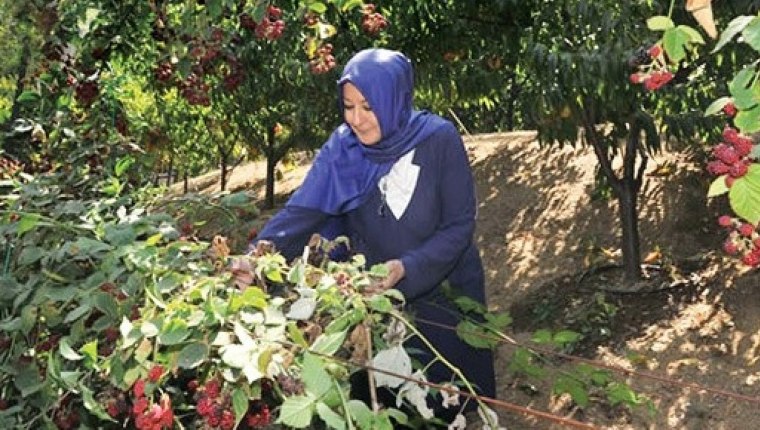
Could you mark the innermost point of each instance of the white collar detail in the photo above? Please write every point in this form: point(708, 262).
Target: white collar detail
point(398, 185)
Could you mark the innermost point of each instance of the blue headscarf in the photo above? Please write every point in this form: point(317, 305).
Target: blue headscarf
point(345, 170)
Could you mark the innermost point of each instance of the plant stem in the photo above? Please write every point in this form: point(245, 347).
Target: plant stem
point(447, 363)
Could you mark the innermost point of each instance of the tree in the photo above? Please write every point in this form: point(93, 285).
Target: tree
point(581, 90)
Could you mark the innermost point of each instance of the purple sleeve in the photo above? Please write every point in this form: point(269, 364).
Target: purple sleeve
point(429, 264)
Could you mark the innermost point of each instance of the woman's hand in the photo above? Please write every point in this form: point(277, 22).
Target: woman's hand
point(396, 273)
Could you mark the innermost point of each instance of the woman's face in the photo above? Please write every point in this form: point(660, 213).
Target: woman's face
point(359, 116)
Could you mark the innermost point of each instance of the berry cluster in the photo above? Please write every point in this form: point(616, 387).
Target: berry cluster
point(215, 407)
point(652, 68)
point(164, 71)
point(372, 22)
point(155, 416)
point(743, 239)
point(87, 91)
point(323, 60)
point(270, 28)
point(732, 156)
point(8, 167)
point(259, 415)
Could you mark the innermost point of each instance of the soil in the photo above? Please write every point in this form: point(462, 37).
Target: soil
point(686, 338)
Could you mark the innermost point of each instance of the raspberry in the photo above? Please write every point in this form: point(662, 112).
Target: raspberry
point(139, 388)
point(205, 407)
point(738, 170)
point(746, 229)
point(725, 154)
point(730, 247)
point(730, 134)
point(717, 167)
point(730, 181)
point(743, 146)
point(725, 221)
point(155, 373)
point(140, 406)
point(729, 109)
point(751, 259)
point(212, 388)
point(655, 51)
point(227, 422)
point(635, 78)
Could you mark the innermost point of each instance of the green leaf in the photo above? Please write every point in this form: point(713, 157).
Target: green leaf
point(297, 411)
point(740, 90)
point(542, 336)
point(193, 355)
point(239, 405)
point(660, 23)
point(28, 380)
point(332, 419)
point(77, 312)
point(93, 405)
point(475, 335)
point(733, 28)
point(744, 195)
point(748, 120)
point(380, 303)
point(691, 34)
point(564, 337)
point(467, 304)
point(67, 352)
point(30, 254)
point(214, 8)
point(317, 7)
point(90, 351)
point(621, 393)
point(361, 413)
point(717, 106)
point(252, 296)
point(329, 344)
point(499, 321)
point(26, 223)
point(28, 96)
point(350, 4)
point(751, 34)
point(674, 42)
point(573, 387)
point(296, 335)
point(318, 382)
point(174, 332)
point(718, 187)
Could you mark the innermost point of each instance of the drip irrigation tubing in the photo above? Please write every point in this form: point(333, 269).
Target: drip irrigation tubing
point(628, 372)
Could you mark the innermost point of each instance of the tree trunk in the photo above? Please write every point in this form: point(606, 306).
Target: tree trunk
point(626, 190)
point(629, 221)
point(224, 173)
point(269, 197)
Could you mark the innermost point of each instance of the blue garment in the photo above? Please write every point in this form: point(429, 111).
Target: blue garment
point(345, 170)
point(434, 240)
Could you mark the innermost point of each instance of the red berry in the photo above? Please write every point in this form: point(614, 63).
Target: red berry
point(725, 221)
point(729, 109)
point(154, 375)
point(730, 247)
point(655, 51)
point(746, 229)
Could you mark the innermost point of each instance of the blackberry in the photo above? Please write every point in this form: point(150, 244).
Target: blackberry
point(639, 57)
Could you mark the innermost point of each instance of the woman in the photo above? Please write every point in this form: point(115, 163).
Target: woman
point(399, 182)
